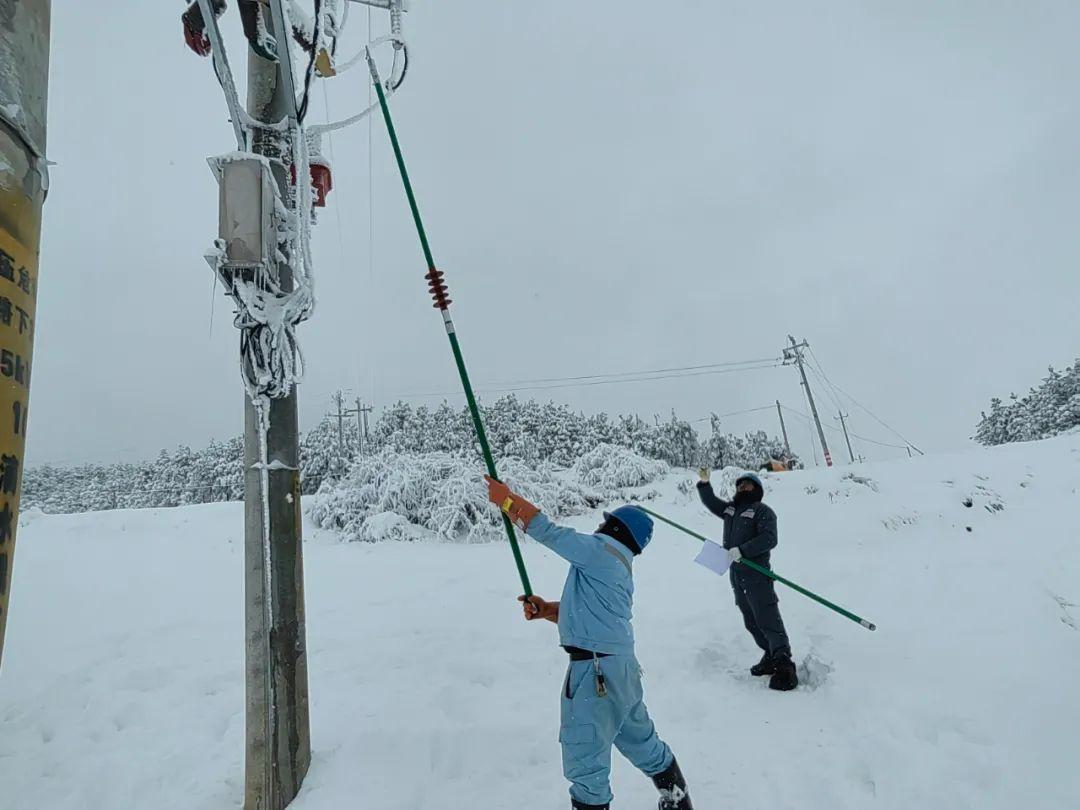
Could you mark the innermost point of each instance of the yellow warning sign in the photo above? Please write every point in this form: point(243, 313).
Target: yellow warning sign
point(18, 294)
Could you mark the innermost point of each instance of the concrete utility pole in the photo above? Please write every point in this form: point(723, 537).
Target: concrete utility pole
point(783, 427)
point(278, 750)
point(362, 412)
point(795, 354)
point(341, 414)
point(24, 181)
point(847, 438)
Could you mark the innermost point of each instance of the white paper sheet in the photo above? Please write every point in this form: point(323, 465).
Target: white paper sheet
point(714, 557)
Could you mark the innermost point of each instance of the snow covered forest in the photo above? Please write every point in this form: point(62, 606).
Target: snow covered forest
point(544, 443)
point(1048, 410)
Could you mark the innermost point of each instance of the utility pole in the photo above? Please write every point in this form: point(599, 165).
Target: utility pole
point(341, 414)
point(847, 438)
point(783, 427)
point(278, 749)
point(362, 412)
point(24, 181)
point(795, 354)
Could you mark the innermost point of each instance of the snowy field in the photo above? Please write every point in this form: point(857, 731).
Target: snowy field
point(122, 684)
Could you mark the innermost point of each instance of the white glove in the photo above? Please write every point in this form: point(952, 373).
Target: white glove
point(734, 555)
point(703, 474)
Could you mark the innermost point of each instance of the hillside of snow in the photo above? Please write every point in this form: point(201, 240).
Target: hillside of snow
point(122, 684)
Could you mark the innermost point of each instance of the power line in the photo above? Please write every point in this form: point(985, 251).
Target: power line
point(733, 413)
point(589, 380)
point(873, 416)
point(727, 364)
point(630, 380)
point(825, 384)
point(802, 415)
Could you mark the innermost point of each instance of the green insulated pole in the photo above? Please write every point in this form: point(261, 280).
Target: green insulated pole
point(442, 302)
point(771, 574)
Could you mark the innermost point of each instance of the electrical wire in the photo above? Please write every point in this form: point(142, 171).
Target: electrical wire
point(316, 35)
point(733, 413)
point(588, 384)
point(873, 416)
point(826, 387)
point(333, 162)
point(617, 374)
point(629, 380)
point(371, 217)
point(809, 419)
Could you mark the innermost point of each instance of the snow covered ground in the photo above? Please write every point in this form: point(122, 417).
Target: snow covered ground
point(122, 680)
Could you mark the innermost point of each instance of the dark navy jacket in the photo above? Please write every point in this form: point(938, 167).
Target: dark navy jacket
point(751, 527)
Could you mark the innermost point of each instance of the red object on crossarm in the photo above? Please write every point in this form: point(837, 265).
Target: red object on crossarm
point(322, 179)
point(195, 31)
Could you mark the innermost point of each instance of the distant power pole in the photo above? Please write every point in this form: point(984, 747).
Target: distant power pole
point(24, 80)
point(795, 354)
point(783, 427)
point(341, 414)
point(847, 438)
point(362, 412)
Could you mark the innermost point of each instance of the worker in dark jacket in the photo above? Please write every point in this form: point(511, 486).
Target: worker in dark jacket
point(750, 532)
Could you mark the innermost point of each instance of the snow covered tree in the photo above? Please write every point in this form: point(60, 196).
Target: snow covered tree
point(1048, 410)
point(325, 457)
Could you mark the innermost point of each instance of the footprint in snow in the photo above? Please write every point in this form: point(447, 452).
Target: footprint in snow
point(813, 672)
point(718, 660)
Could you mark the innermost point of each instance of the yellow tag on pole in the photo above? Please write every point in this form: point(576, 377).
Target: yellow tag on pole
point(18, 293)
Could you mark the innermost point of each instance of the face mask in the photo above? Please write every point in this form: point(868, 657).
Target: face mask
point(742, 498)
point(618, 532)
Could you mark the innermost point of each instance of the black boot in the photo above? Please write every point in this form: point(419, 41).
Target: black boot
point(672, 787)
point(574, 803)
point(784, 678)
point(766, 666)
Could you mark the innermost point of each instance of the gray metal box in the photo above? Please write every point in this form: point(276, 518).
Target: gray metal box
point(248, 195)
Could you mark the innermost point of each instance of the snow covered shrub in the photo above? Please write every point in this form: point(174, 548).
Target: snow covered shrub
point(403, 496)
point(750, 450)
point(723, 481)
point(619, 450)
point(611, 469)
point(1051, 409)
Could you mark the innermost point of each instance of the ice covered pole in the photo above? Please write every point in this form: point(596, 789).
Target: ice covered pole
point(440, 294)
point(277, 716)
point(24, 76)
point(772, 575)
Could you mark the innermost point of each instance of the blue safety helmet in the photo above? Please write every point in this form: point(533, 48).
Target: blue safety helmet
point(639, 523)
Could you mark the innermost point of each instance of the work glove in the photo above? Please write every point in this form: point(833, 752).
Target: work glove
point(703, 474)
point(519, 510)
point(734, 555)
point(536, 608)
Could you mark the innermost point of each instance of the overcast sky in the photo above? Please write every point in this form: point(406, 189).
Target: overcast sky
point(610, 187)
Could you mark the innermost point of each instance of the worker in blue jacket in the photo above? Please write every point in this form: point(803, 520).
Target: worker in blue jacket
point(602, 699)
